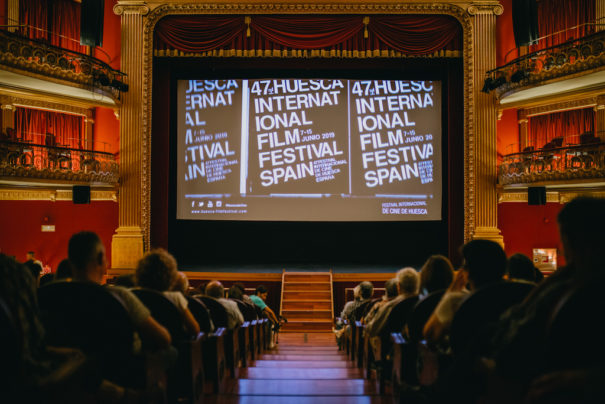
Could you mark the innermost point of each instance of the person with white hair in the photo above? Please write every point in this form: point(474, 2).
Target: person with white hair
point(407, 285)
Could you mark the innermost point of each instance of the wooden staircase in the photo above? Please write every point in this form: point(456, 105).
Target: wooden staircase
point(306, 301)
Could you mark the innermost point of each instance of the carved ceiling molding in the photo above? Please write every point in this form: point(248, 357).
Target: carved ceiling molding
point(561, 106)
point(561, 197)
point(53, 195)
point(455, 10)
point(45, 105)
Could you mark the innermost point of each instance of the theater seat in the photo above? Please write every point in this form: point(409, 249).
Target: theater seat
point(11, 369)
point(185, 381)
point(483, 307)
point(201, 314)
point(86, 316)
point(421, 313)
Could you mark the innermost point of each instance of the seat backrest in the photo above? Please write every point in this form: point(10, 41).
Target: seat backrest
point(218, 313)
point(361, 310)
point(484, 306)
point(421, 313)
point(163, 311)
point(399, 316)
point(87, 316)
point(573, 335)
point(247, 310)
point(10, 352)
point(200, 313)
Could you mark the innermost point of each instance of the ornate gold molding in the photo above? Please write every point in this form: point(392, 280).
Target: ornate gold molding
point(45, 105)
point(53, 195)
point(561, 106)
point(250, 8)
point(131, 7)
point(488, 8)
point(551, 197)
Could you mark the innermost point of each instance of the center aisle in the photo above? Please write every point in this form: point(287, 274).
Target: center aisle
point(303, 368)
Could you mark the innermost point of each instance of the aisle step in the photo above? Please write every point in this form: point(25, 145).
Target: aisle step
point(308, 326)
point(306, 277)
point(307, 285)
point(307, 304)
point(297, 314)
point(304, 373)
point(289, 357)
point(304, 364)
point(304, 387)
point(307, 294)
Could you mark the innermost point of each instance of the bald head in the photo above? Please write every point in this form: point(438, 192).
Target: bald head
point(215, 289)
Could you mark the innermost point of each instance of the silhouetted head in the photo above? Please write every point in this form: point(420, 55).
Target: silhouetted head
point(519, 266)
point(390, 288)
point(366, 290)
point(157, 270)
point(235, 293)
point(437, 273)
point(215, 289)
point(485, 262)
point(581, 224)
point(87, 256)
point(407, 281)
point(64, 270)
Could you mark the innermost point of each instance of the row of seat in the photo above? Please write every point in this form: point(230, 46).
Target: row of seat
point(88, 317)
point(400, 356)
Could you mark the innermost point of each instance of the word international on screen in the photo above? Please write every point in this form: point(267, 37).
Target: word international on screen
point(309, 150)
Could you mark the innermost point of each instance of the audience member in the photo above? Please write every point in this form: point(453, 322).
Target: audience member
point(157, 270)
point(235, 292)
point(352, 304)
point(45, 373)
point(519, 347)
point(87, 256)
point(390, 292)
point(31, 256)
point(437, 273)
point(34, 268)
point(64, 270)
point(216, 290)
point(520, 268)
point(259, 299)
point(407, 286)
point(484, 264)
point(245, 297)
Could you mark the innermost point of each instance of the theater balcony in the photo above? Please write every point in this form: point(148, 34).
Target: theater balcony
point(45, 162)
point(33, 67)
point(556, 163)
point(557, 72)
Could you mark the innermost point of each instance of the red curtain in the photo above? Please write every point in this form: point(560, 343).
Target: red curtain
point(56, 21)
point(410, 34)
point(418, 35)
point(32, 125)
point(567, 124)
point(560, 15)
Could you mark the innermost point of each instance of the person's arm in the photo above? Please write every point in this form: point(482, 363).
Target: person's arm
point(271, 315)
point(191, 324)
point(154, 333)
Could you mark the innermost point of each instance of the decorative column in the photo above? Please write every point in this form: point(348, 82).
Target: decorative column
point(483, 152)
point(523, 131)
point(8, 117)
point(12, 14)
point(600, 15)
point(127, 243)
point(599, 118)
point(88, 131)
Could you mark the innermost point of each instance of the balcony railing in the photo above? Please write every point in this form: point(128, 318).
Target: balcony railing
point(571, 57)
point(36, 161)
point(576, 162)
point(40, 57)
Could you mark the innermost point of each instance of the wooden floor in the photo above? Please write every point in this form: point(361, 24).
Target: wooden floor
point(303, 368)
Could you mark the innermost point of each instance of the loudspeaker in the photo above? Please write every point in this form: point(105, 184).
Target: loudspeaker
point(91, 22)
point(81, 194)
point(536, 195)
point(525, 22)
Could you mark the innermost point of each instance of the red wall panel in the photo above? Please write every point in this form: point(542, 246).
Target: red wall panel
point(110, 51)
point(505, 39)
point(526, 227)
point(106, 131)
point(21, 223)
point(508, 133)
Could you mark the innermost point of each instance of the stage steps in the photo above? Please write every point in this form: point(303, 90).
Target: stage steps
point(306, 301)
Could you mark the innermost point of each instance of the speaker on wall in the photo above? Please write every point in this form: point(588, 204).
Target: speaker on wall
point(81, 194)
point(91, 22)
point(525, 22)
point(536, 195)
